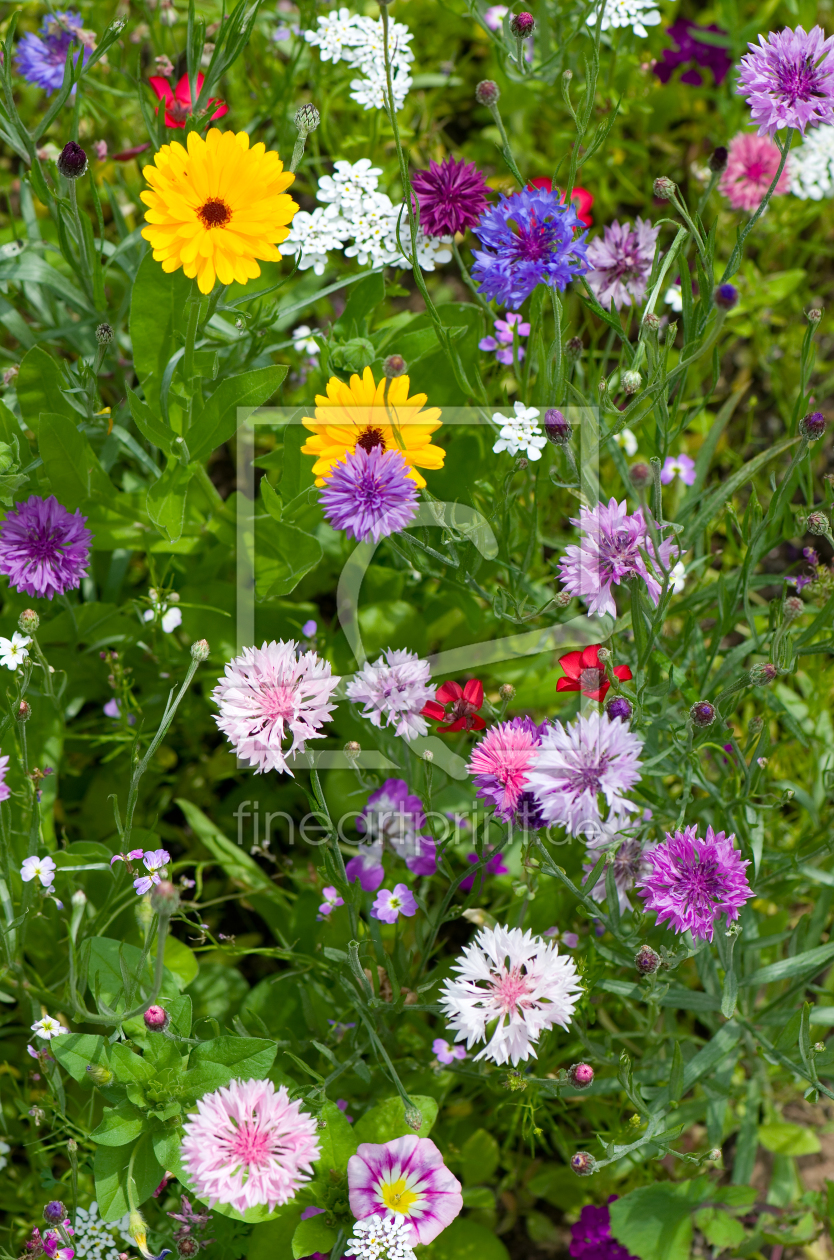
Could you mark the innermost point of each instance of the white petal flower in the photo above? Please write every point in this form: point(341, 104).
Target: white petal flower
point(303, 342)
point(96, 1239)
point(42, 868)
point(359, 41)
point(673, 298)
point(394, 688)
point(13, 651)
point(4, 1153)
point(171, 618)
point(379, 1238)
point(520, 433)
point(626, 439)
point(677, 577)
point(638, 14)
point(516, 979)
point(47, 1028)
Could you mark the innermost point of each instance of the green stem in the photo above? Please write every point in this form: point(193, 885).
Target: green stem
point(191, 333)
point(469, 282)
point(214, 495)
point(506, 151)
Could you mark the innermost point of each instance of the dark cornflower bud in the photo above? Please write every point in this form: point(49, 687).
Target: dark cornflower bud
point(718, 160)
point(794, 607)
point(573, 349)
point(646, 960)
point(580, 1075)
point(24, 711)
point(818, 523)
point(307, 118)
point(641, 476)
point(812, 426)
point(28, 621)
point(55, 1212)
point(583, 1164)
point(814, 315)
point(619, 707)
point(506, 691)
point(200, 650)
point(522, 25)
point(651, 322)
point(104, 334)
point(187, 1247)
point(487, 93)
point(72, 161)
point(664, 188)
point(702, 713)
point(394, 365)
point(725, 296)
point(557, 429)
point(763, 674)
point(156, 1018)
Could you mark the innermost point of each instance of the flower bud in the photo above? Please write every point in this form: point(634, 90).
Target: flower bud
point(651, 323)
point(725, 296)
point(395, 365)
point(72, 161)
point(580, 1075)
point(702, 713)
point(55, 1212)
point(506, 691)
point(583, 1164)
point(761, 762)
point(763, 674)
point(717, 161)
point(573, 349)
point(603, 654)
point(602, 385)
point(646, 960)
point(156, 1018)
point(557, 429)
point(817, 523)
point(428, 755)
point(352, 749)
point(79, 897)
point(522, 25)
point(794, 607)
point(200, 650)
point(640, 476)
point(563, 598)
point(756, 725)
point(137, 1229)
point(664, 188)
point(99, 1074)
point(714, 1155)
point(812, 426)
point(164, 897)
point(814, 315)
point(631, 381)
point(487, 93)
point(414, 1118)
point(11, 374)
point(24, 711)
point(307, 118)
point(104, 334)
point(818, 1047)
point(321, 1123)
point(28, 621)
point(187, 1247)
point(619, 707)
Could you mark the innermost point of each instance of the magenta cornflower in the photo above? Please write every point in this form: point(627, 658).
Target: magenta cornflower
point(248, 1146)
point(621, 262)
point(591, 1236)
point(788, 80)
point(694, 882)
point(405, 1180)
point(613, 550)
point(44, 549)
point(390, 905)
point(370, 494)
point(690, 48)
point(500, 761)
point(528, 239)
point(452, 196)
point(752, 162)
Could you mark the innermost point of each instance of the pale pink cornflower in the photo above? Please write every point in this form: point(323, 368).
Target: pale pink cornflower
point(249, 1146)
point(511, 987)
point(271, 693)
point(393, 690)
point(752, 162)
point(788, 80)
point(621, 262)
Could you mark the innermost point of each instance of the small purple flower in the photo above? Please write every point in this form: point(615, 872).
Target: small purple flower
point(692, 49)
point(5, 790)
point(367, 868)
point(306, 1215)
point(495, 866)
point(528, 239)
point(788, 80)
point(341, 1103)
point(392, 818)
point(309, 629)
point(390, 905)
point(41, 58)
point(678, 466)
point(444, 1053)
point(155, 861)
point(569, 939)
point(44, 549)
point(133, 855)
point(452, 196)
point(693, 882)
point(621, 262)
point(331, 902)
point(591, 1235)
point(502, 342)
point(370, 494)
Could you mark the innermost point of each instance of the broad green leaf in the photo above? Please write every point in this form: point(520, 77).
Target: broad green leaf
point(216, 1062)
point(128, 1066)
point(283, 555)
point(166, 500)
point(71, 464)
point(29, 268)
point(297, 469)
point(807, 963)
point(235, 861)
point(105, 973)
point(467, 1240)
point(158, 319)
point(39, 383)
point(783, 1138)
point(655, 1222)
point(480, 1154)
point(110, 1169)
point(364, 298)
point(119, 1126)
point(149, 425)
point(218, 421)
point(166, 1148)
point(387, 1121)
point(337, 1142)
point(181, 962)
point(483, 1197)
point(273, 1239)
point(719, 1228)
point(312, 1235)
point(74, 1051)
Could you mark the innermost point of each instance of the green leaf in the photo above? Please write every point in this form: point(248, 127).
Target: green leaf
point(39, 383)
point(297, 469)
point(783, 1138)
point(74, 1051)
point(166, 501)
point(386, 1121)
point(312, 1235)
point(807, 963)
point(218, 421)
point(715, 500)
point(283, 555)
point(110, 1169)
point(676, 1076)
point(655, 1222)
point(480, 1154)
point(166, 1148)
point(467, 1240)
point(119, 1126)
point(182, 964)
point(158, 318)
point(129, 1067)
point(273, 1239)
point(720, 1229)
point(364, 298)
point(338, 1141)
point(29, 268)
point(216, 1062)
point(156, 432)
point(480, 1197)
point(105, 972)
point(72, 466)
point(235, 861)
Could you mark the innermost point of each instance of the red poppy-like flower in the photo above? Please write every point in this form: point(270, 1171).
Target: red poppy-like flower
point(584, 672)
point(581, 198)
point(464, 701)
point(178, 100)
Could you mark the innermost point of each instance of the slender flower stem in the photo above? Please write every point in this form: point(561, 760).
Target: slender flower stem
point(506, 150)
point(469, 282)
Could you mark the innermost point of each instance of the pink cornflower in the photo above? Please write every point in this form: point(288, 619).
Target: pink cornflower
point(621, 262)
point(452, 196)
point(751, 164)
point(405, 1180)
point(613, 549)
point(788, 80)
point(693, 882)
point(331, 902)
point(444, 1053)
point(390, 905)
point(269, 693)
point(678, 466)
point(249, 1146)
point(502, 342)
point(500, 761)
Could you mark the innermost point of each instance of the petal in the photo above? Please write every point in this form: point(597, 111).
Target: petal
point(590, 657)
point(622, 672)
point(449, 692)
point(571, 663)
point(433, 710)
point(567, 684)
point(473, 692)
point(162, 88)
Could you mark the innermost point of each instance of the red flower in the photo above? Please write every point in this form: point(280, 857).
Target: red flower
point(464, 701)
point(178, 100)
point(582, 199)
point(584, 672)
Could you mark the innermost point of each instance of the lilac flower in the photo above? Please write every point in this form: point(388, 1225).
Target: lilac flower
point(392, 818)
point(630, 864)
point(41, 58)
point(5, 790)
point(788, 80)
point(370, 494)
point(44, 549)
point(390, 905)
point(331, 902)
point(591, 1236)
point(575, 764)
point(528, 239)
point(42, 868)
point(678, 466)
point(614, 549)
point(693, 882)
point(502, 342)
point(395, 688)
point(569, 939)
point(309, 629)
point(133, 855)
point(621, 262)
point(452, 196)
point(444, 1053)
point(155, 861)
point(495, 866)
point(692, 49)
point(341, 1103)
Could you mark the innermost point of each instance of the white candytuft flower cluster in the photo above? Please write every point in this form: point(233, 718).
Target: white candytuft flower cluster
point(359, 41)
point(812, 166)
point(96, 1239)
point(638, 14)
point(354, 210)
point(378, 1238)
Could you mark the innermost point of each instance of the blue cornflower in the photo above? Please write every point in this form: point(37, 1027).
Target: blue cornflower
point(41, 58)
point(528, 240)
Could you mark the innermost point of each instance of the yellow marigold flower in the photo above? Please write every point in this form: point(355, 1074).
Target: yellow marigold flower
point(357, 415)
point(217, 207)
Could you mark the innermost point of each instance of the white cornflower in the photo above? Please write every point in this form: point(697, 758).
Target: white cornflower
point(42, 868)
point(394, 688)
point(626, 439)
point(303, 342)
point(380, 1238)
point(812, 166)
point(638, 14)
point(47, 1028)
point(677, 577)
point(516, 979)
point(96, 1239)
point(13, 651)
point(520, 432)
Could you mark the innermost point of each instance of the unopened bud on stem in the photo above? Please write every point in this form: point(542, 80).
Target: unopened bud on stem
point(28, 621)
point(487, 93)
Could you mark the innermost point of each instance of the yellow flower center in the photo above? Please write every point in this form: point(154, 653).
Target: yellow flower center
point(214, 213)
point(397, 1197)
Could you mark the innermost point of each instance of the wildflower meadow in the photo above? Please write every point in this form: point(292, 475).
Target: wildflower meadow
point(416, 628)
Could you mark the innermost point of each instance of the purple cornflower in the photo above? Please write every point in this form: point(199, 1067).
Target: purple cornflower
point(502, 342)
point(44, 549)
point(613, 550)
point(41, 58)
point(693, 881)
point(682, 466)
point(528, 239)
point(788, 80)
point(495, 866)
point(577, 763)
point(452, 196)
point(621, 262)
point(370, 494)
point(590, 1236)
point(692, 49)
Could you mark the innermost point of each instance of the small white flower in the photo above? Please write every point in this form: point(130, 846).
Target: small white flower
point(638, 14)
point(47, 1028)
point(673, 298)
point(171, 618)
point(812, 166)
point(677, 577)
point(13, 651)
point(359, 41)
point(96, 1239)
point(380, 1238)
point(520, 432)
point(42, 868)
point(303, 342)
point(626, 439)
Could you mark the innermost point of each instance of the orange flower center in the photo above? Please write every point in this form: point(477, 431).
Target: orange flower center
point(214, 213)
